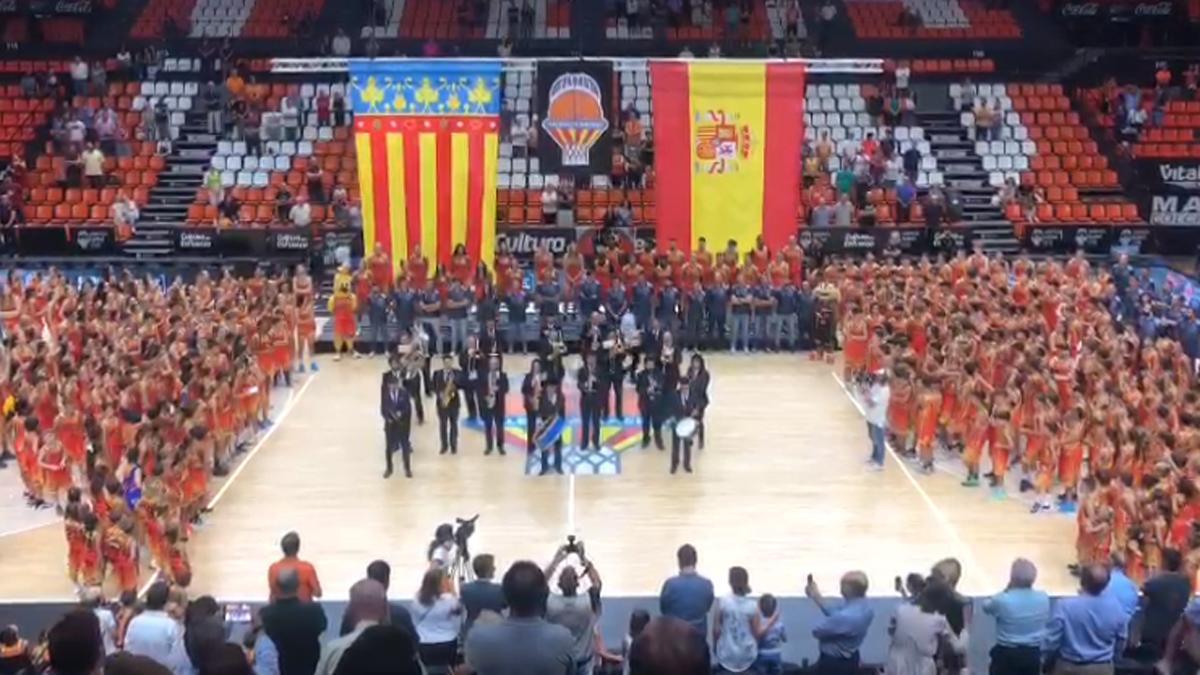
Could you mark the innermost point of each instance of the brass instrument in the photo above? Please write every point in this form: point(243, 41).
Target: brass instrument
point(490, 393)
point(413, 361)
point(449, 391)
point(557, 344)
point(668, 354)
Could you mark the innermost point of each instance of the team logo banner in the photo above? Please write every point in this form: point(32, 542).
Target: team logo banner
point(576, 115)
point(718, 125)
point(426, 138)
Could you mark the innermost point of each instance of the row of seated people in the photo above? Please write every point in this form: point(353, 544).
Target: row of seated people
point(1161, 121)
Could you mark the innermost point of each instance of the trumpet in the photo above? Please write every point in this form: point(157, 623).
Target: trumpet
point(556, 342)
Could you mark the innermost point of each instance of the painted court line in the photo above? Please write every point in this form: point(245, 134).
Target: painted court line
point(293, 398)
point(971, 565)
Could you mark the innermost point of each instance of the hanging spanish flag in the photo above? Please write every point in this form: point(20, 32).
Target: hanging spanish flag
point(426, 135)
point(727, 140)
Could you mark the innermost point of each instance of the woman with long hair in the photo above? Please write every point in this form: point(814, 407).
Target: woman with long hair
point(698, 381)
point(919, 632)
point(441, 550)
point(737, 626)
point(437, 614)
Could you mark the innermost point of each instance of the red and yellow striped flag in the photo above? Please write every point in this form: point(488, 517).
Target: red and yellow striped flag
point(427, 140)
point(727, 139)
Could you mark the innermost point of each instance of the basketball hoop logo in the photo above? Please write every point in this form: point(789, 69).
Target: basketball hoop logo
point(575, 117)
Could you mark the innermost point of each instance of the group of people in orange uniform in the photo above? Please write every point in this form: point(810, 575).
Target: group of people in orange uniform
point(1023, 367)
point(123, 398)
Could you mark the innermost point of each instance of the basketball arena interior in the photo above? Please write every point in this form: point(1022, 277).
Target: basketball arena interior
point(599, 336)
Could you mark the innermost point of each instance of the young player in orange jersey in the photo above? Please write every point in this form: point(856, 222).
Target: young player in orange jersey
point(929, 408)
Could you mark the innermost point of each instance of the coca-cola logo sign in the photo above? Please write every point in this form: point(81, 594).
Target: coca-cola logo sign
point(61, 7)
point(1164, 8)
point(1076, 9)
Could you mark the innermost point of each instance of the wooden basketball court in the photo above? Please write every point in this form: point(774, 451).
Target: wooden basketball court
point(781, 489)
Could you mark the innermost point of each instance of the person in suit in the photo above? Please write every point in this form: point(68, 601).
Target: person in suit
point(412, 360)
point(446, 385)
point(531, 391)
point(472, 364)
point(679, 404)
point(592, 389)
point(551, 348)
point(489, 338)
point(698, 381)
point(613, 365)
point(650, 398)
point(493, 389)
point(395, 406)
point(550, 408)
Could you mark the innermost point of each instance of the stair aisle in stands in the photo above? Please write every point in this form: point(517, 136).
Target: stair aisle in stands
point(963, 173)
point(176, 190)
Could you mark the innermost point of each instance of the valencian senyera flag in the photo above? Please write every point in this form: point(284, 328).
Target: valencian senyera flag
point(727, 138)
point(427, 138)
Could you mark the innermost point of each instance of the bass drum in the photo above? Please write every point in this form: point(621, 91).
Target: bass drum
point(686, 428)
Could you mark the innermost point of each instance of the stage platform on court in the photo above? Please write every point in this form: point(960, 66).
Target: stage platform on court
point(781, 488)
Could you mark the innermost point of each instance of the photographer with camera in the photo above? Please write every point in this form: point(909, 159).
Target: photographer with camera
point(577, 613)
point(443, 550)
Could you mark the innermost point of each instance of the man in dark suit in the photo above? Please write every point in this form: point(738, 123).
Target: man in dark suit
point(592, 389)
point(446, 385)
point(493, 389)
point(650, 400)
point(551, 348)
point(551, 407)
point(472, 363)
point(680, 404)
point(489, 338)
point(395, 406)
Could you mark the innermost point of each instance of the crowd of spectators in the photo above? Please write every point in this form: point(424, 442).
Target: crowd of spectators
point(545, 619)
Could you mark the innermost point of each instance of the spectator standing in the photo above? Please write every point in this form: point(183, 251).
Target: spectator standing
point(1087, 632)
point(549, 205)
point(99, 79)
point(367, 607)
point(93, 166)
point(79, 76)
point(8, 214)
point(875, 395)
point(315, 178)
point(843, 215)
point(339, 110)
point(283, 204)
point(771, 637)
point(1120, 587)
point(736, 627)
point(108, 128)
point(75, 645)
point(688, 595)
point(214, 106)
point(918, 632)
point(157, 635)
point(482, 594)
point(204, 629)
point(1021, 613)
point(301, 213)
point(668, 645)
point(93, 599)
point(341, 44)
point(293, 625)
point(212, 183)
point(983, 120)
point(524, 642)
point(309, 585)
point(437, 615)
point(840, 634)
point(577, 613)
point(14, 652)
point(1165, 596)
point(399, 615)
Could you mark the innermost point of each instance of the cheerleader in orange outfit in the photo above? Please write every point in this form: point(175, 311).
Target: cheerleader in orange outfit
point(379, 269)
point(900, 409)
point(28, 443)
point(854, 357)
point(179, 568)
point(342, 305)
point(1070, 463)
point(1047, 439)
point(69, 431)
point(52, 459)
point(120, 554)
point(91, 565)
point(572, 263)
point(306, 331)
point(929, 408)
point(1001, 440)
point(73, 524)
point(280, 344)
point(974, 420)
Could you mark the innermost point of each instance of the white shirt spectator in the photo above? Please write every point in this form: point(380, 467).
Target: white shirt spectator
point(106, 124)
point(301, 214)
point(79, 70)
point(341, 45)
point(875, 404)
point(108, 628)
point(93, 162)
point(902, 75)
point(76, 130)
point(549, 200)
point(439, 622)
point(155, 635)
point(828, 11)
point(125, 212)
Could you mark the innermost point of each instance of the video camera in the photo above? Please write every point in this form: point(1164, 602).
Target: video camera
point(573, 546)
point(466, 528)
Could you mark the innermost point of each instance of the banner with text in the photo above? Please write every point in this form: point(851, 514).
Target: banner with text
point(1170, 191)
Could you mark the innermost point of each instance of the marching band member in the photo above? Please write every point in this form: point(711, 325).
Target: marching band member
point(491, 404)
point(472, 365)
point(650, 399)
point(698, 380)
point(395, 406)
point(551, 408)
point(551, 349)
point(680, 405)
point(531, 390)
point(446, 384)
point(589, 379)
point(614, 366)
